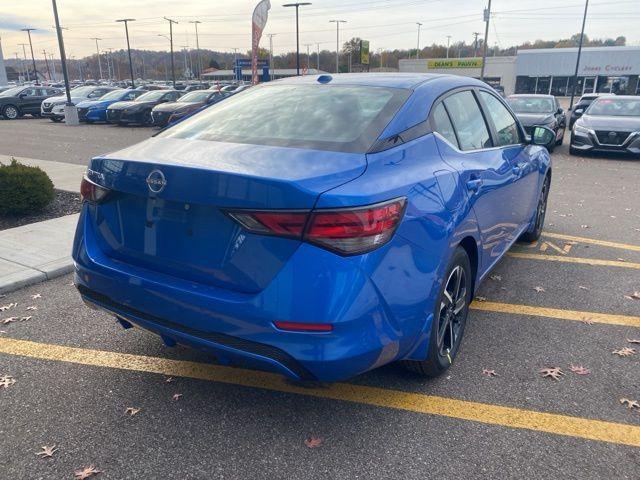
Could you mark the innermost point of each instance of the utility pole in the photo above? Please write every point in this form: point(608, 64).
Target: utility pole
point(448, 41)
point(418, 47)
point(271, 35)
point(199, 62)
point(46, 63)
point(70, 111)
point(33, 58)
point(25, 64)
point(173, 71)
point(126, 31)
point(53, 67)
point(98, 53)
point(487, 19)
point(475, 44)
point(575, 74)
point(297, 5)
point(337, 22)
point(318, 59)
point(308, 57)
point(186, 65)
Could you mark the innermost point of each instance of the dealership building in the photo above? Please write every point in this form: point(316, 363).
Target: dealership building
point(548, 71)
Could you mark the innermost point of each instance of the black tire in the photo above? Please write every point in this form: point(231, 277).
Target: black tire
point(11, 112)
point(541, 209)
point(147, 119)
point(56, 119)
point(561, 139)
point(447, 327)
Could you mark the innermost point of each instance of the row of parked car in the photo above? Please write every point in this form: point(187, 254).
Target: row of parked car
point(598, 122)
point(123, 106)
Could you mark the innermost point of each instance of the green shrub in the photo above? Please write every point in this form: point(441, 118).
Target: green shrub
point(23, 189)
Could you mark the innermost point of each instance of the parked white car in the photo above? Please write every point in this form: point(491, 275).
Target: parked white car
point(53, 107)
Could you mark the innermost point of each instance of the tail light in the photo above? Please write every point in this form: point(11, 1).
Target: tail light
point(346, 231)
point(92, 192)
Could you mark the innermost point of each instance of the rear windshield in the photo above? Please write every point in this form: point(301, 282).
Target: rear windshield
point(322, 117)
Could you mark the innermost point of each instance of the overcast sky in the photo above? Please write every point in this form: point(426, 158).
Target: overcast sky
point(388, 24)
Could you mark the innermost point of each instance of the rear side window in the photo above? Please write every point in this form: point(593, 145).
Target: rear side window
point(341, 118)
point(468, 121)
point(442, 124)
point(504, 123)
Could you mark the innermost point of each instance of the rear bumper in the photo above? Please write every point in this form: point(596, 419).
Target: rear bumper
point(314, 286)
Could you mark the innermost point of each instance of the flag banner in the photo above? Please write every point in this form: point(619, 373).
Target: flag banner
point(260, 14)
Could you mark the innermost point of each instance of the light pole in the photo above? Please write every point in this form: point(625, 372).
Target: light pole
point(308, 45)
point(487, 18)
point(25, 65)
point(126, 31)
point(337, 22)
point(297, 5)
point(70, 112)
point(186, 65)
point(271, 35)
point(575, 74)
point(318, 59)
point(448, 40)
point(475, 44)
point(33, 58)
point(98, 53)
point(196, 22)
point(46, 63)
point(173, 71)
point(418, 47)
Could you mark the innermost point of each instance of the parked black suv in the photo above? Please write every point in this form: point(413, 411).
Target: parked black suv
point(19, 101)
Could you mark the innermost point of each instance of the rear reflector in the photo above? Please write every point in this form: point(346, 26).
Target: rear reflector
point(304, 327)
point(92, 192)
point(346, 231)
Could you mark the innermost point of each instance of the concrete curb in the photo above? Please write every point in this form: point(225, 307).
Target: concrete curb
point(65, 176)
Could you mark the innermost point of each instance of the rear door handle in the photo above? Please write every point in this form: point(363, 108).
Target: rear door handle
point(517, 169)
point(474, 184)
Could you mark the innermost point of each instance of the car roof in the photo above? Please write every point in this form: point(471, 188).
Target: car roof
point(536, 95)
point(392, 80)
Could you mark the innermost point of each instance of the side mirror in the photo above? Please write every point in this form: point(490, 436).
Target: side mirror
point(560, 111)
point(22, 95)
point(543, 136)
point(579, 112)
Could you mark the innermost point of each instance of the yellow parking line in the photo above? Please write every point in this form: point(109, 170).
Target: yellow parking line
point(585, 261)
point(617, 433)
point(578, 316)
point(593, 241)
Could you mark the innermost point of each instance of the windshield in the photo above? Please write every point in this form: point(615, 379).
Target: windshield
point(340, 118)
point(532, 104)
point(615, 107)
point(115, 95)
point(198, 96)
point(11, 92)
point(82, 91)
point(151, 96)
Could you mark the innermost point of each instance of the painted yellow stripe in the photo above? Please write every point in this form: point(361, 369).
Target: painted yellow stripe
point(578, 316)
point(593, 241)
point(617, 433)
point(584, 261)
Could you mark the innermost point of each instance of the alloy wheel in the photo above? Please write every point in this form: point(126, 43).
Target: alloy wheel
point(11, 113)
point(452, 311)
point(542, 205)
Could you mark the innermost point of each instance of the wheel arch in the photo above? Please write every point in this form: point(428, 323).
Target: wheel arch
point(17, 107)
point(470, 246)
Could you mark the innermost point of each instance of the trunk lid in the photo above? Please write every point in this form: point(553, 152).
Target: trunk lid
point(182, 229)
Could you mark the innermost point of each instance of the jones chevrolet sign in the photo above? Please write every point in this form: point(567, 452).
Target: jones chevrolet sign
point(455, 63)
point(606, 68)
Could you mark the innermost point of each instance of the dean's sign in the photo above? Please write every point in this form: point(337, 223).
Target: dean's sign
point(454, 63)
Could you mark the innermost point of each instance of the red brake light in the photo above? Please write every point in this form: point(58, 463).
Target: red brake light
point(346, 231)
point(92, 192)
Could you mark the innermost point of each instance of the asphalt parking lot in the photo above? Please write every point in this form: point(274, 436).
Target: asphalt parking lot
point(567, 300)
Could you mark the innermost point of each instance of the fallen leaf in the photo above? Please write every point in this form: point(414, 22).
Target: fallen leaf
point(625, 352)
point(86, 472)
point(489, 373)
point(32, 307)
point(481, 299)
point(313, 442)
point(131, 411)
point(169, 380)
point(25, 318)
point(539, 289)
point(588, 321)
point(630, 403)
point(582, 288)
point(635, 295)
point(579, 370)
point(584, 226)
point(35, 295)
point(6, 381)
point(47, 452)
point(176, 396)
point(495, 278)
point(4, 308)
point(554, 372)
point(9, 320)
point(633, 340)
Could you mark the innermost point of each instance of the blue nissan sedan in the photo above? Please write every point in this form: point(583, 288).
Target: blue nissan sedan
point(317, 226)
point(96, 110)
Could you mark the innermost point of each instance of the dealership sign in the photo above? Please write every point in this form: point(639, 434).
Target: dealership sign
point(606, 69)
point(454, 63)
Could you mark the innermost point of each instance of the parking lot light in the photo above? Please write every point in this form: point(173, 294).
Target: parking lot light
point(126, 31)
point(297, 5)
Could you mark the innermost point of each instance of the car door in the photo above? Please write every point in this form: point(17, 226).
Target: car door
point(465, 142)
point(29, 100)
point(511, 143)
